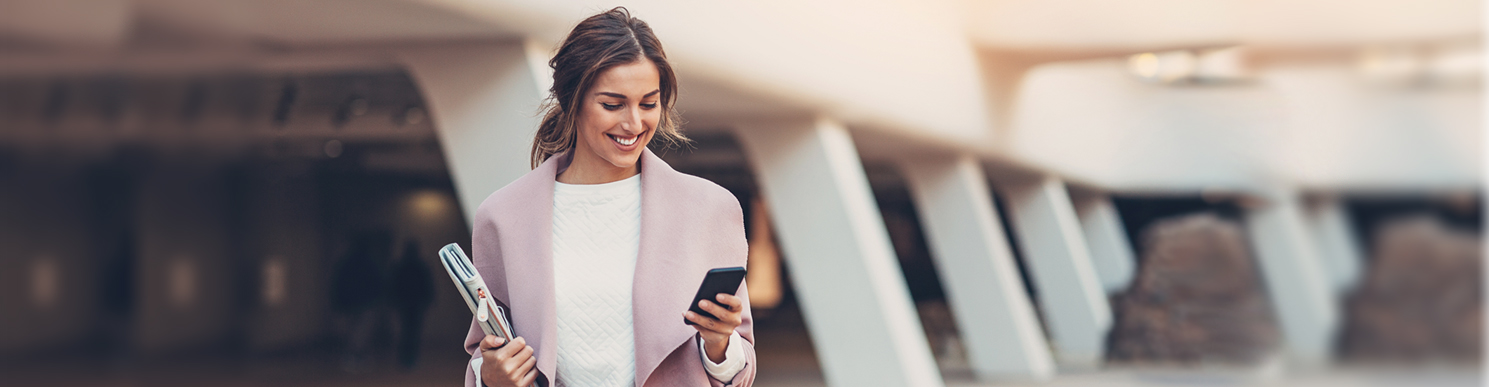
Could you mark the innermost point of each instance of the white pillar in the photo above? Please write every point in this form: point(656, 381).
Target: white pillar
point(483, 100)
point(1337, 245)
point(853, 295)
point(1296, 280)
point(996, 320)
point(1075, 307)
point(1111, 253)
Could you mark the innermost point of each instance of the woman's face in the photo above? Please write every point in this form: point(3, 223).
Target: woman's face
point(619, 115)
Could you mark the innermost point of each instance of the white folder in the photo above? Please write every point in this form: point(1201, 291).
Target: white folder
point(491, 318)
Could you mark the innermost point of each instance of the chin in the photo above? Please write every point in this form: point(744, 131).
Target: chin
point(625, 160)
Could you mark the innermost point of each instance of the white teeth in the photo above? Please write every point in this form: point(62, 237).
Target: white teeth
point(625, 141)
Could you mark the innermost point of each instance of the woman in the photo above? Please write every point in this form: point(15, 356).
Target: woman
point(598, 250)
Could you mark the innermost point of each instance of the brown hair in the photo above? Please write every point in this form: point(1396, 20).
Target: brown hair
point(598, 43)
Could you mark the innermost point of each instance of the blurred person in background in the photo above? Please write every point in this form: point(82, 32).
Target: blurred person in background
point(356, 292)
point(412, 294)
point(598, 251)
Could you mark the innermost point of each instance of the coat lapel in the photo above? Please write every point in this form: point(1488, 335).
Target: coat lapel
point(661, 288)
point(530, 277)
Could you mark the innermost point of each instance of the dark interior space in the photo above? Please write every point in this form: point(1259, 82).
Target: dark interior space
point(196, 224)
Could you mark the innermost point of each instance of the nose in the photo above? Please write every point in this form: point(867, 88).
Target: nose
point(632, 124)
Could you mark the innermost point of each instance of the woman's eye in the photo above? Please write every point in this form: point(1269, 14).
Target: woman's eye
point(649, 106)
point(608, 106)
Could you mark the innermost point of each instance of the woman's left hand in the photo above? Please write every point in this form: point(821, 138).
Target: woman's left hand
point(715, 332)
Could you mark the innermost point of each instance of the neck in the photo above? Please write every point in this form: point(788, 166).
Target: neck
point(586, 168)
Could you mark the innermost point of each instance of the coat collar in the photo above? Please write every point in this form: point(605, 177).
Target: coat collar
point(659, 295)
point(657, 298)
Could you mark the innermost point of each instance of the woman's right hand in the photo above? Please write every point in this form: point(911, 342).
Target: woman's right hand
point(512, 365)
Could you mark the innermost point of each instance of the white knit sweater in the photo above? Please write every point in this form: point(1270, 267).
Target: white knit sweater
point(596, 239)
point(596, 236)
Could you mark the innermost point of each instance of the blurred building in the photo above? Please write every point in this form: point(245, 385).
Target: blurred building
point(968, 191)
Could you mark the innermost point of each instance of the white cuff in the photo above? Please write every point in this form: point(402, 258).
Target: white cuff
point(734, 359)
point(475, 366)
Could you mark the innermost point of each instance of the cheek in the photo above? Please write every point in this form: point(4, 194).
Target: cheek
point(652, 118)
point(593, 121)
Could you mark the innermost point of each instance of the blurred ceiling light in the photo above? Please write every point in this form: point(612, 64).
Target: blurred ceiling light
point(412, 115)
point(1226, 64)
point(45, 282)
point(333, 148)
point(276, 280)
point(359, 107)
point(1166, 67)
point(1144, 65)
point(354, 106)
point(430, 205)
point(1176, 65)
point(182, 282)
point(1391, 64)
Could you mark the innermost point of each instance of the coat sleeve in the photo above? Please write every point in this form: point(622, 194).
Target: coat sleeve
point(472, 340)
point(746, 329)
point(734, 217)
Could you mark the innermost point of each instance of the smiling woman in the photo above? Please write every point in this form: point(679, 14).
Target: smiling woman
point(612, 70)
point(617, 119)
point(600, 248)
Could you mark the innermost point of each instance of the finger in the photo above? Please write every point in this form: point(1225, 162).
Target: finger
point(698, 320)
point(706, 324)
point(529, 378)
point(730, 317)
point(526, 367)
point(490, 358)
point(730, 301)
point(506, 351)
point(525, 354)
point(734, 317)
point(711, 307)
point(492, 342)
point(696, 323)
point(516, 360)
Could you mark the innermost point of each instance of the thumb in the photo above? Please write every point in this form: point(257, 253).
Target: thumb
point(493, 341)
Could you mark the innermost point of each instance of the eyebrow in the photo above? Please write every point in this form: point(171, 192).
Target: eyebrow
point(623, 96)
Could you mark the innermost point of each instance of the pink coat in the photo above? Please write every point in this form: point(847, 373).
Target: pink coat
point(688, 226)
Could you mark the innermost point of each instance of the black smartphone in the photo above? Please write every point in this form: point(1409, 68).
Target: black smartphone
point(721, 280)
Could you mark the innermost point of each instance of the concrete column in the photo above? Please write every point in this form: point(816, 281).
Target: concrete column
point(1075, 307)
point(1111, 253)
point(852, 292)
point(996, 320)
point(484, 102)
point(1296, 279)
point(1337, 245)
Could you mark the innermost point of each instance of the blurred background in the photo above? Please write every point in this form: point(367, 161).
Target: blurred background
point(957, 192)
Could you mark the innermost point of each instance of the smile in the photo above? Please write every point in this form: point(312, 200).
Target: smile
point(623, 140)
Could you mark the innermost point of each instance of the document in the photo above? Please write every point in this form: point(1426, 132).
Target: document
point(491, 317)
